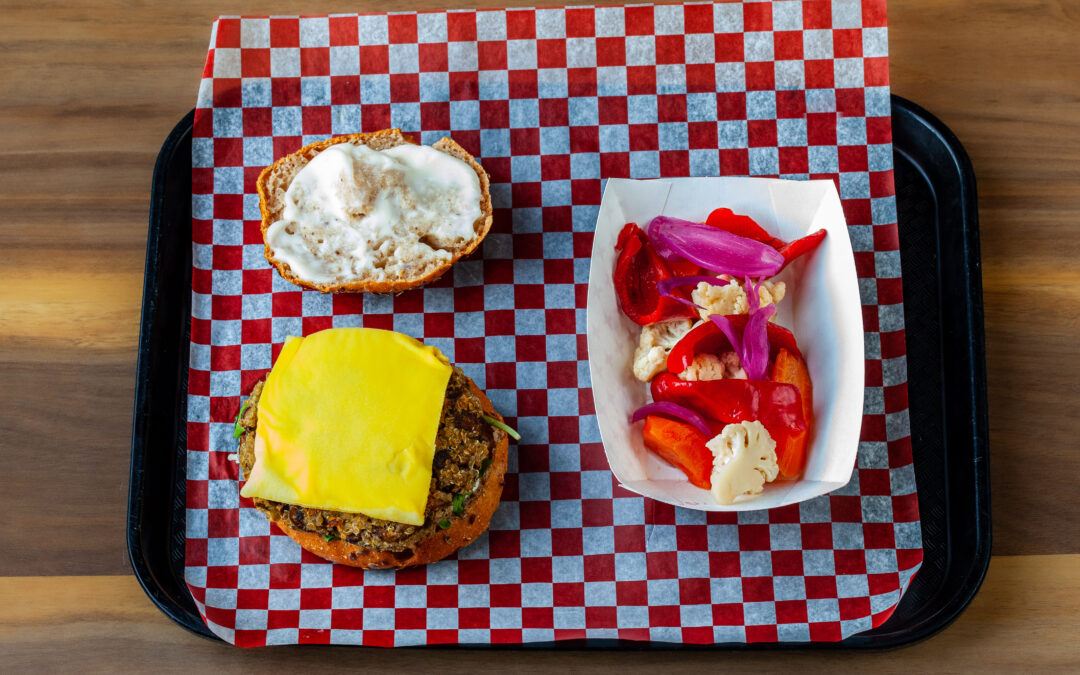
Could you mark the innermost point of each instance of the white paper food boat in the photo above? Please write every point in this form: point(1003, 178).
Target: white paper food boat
point(822, 307)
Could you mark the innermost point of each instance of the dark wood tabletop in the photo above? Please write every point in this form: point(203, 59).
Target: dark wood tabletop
point(88, 94)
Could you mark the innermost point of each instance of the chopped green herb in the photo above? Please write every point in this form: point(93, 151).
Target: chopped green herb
point(484, 466)
point(330, 537)
point(444, 523)
point(237, 429)
point(459, 503)
point(501, 425)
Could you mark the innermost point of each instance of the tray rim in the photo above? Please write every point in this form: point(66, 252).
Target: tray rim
point(874, 639)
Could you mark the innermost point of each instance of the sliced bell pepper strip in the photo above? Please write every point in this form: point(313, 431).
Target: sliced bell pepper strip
point(744, 226)
point(791, 454)
point(776, 405)
point(682, 446)
point(709, 339)
point(637, 271)
point(801, 246)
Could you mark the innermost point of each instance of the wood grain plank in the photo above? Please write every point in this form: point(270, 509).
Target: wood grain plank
point(106, 624)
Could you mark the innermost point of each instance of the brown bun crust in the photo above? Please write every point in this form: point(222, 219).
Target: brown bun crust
point(463, 529)
point(377, 140)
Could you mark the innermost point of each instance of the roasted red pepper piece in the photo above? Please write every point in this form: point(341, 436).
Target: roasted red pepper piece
point(791, 453)
point(637, 271)
point(776, 405)
point(682, 446)
point(801, 246)
point(744, 226)
point(709, 339)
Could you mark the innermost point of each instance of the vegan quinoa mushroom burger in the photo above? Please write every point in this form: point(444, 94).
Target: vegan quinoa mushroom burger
point(346, 448)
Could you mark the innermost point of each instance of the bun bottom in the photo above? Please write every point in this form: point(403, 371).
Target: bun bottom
point(463, 530)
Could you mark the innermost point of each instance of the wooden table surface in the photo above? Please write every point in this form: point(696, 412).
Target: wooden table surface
point(87, 96)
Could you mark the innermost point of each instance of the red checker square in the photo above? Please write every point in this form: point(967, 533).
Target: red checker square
point(559, 271)
point(532, 402)
point(222, 617)
point(526, 195)
point(314, 324)
point(874, 482)
point(760, 76)
point(405, 88)
point(615, 164)
point(473, 571)
point(596, 512)
point(228, 33)
point(561, 321)
point(853, 158)
point(581, 300)
point(757, 589)
point(724, 564)
point(226, 93)
point(731, 106)
point(671, 108)
point(729, 48)
point(255, 62)
point(501, 375)
point(886, 238)
point(284, 32)
point(285, 91)
point(896, 398)
point(873, 14)
point(658, 513)
point(347, 619)
point(491, 55)
point(562, 374)
point(199, 380)
point(698, 18)
point(757, 16)
point(791, 611)
point(254, 550)
point(461, 26)
point(221, 576)
point(379, 596)
point(495, 115)
point(505, 595)
point(464, 86)
point(818, 73)
point(694, 591)
point(820, 587)
point(535, 462)
point(643, 137)
point(554, 112)
point(343, 31)
point(826, 632)
point(892, 343)
point(376, 116)
point(523, 84)
point(865, 267)
point(907, 558)
point(224, 357)
point(520, 24)
point(628, 538)
point(374, 59)
point(787, 563)
point(284, 575)
point(566, 541)
point(252, 598)
point(794, 160)
point(600, 567)
point(754, 537)
point(555, 167)
point(287, 303)
point(631, 593)
point(641, 80)
point(821, 128)
point(638, 20)
point(847, 508)
point(700, 78)
point(662, 565)
point(854, 608)
point(469, 350)
point(410, 618)
point(788, 45)
point(702, 135)
point(851, 102)
point(433, 57)
point(600, 617)
point(257, 122)
point(582, 247)
point(568, 594)
point(670, 49)
point(529, 347)
point(594, 459)
point(728, 614)
point(473, 617)
point(664, 615)
point(316, 119)
point(223, 523)
point(535, 515)
point(580, 22)
point(435, 116)
point(225, 307)
point(816, 536)
point(551, 53)
point(873, 367)
point(790, 104)
point(314, 61)
point(202, 183)
point(847, 43)
point(409, 303)
point(441, 636)
point(535, 570)
point(438, 324)
point(817, 14)
point(879, 535)
point(195, 549)
point(612, 109)
point(284, 145)
point(566, 485)
point(228, 152)
point(692, 537)
point(378, 638)
point(402, 28)
point(900, 451)
point(442, 596)
point(610, 51)
point(344, 89)
point(537, 617)
point(761, 133)
point(905, 508)
point(316, 598)
point(761, 634)
point(881, 182)
point(876, 71)
point(699, 635)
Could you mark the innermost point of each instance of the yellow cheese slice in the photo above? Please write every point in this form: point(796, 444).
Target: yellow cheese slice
point(347, 422)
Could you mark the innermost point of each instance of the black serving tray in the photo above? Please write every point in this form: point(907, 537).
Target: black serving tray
point(939, 241)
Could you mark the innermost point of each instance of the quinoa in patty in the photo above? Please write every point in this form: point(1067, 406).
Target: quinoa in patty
point(463, 449)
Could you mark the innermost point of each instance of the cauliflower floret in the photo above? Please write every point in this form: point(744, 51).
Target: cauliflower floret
point(744, 459)
point(654, 343)
point(731, 298)
point(711, 367)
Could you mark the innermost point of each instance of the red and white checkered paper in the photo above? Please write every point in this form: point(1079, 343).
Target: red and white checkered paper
point(552, 101)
